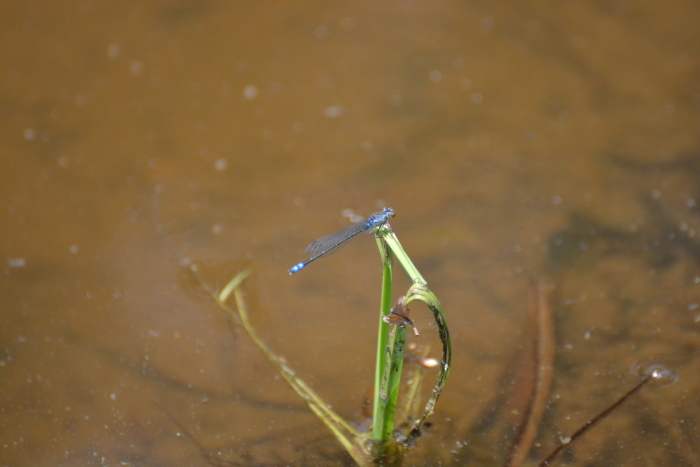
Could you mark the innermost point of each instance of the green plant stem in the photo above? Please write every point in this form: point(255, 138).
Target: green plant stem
point(393, 378)
point(379, 406)
point(390, 238)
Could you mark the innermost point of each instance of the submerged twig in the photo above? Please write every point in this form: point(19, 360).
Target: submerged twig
point(594, 421)
point(543, 363)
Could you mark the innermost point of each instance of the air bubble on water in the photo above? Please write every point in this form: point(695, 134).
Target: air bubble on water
point(250, 92)
point(220, 165)
point(321, 32)
point(17, 262)
point(135, 67)
point(113, 50)
point(334, 111)
point(659, 373)
point(347, 23)
point(30, 134)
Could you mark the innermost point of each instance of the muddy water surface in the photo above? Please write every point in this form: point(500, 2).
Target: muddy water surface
point(519, 140)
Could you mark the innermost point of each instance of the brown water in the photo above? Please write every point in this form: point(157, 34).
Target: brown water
point(552, 140)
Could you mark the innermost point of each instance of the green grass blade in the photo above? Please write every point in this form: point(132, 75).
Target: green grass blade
point(383, 361)
point(390, 238)
point(352, 440)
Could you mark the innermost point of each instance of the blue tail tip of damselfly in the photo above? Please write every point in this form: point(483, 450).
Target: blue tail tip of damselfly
point(296, 268)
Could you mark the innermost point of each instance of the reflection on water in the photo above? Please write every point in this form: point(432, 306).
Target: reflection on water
point(518, 141)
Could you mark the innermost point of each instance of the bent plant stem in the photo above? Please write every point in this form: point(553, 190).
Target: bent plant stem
point(388, 367)
point(422, 293)
point(351, 439)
